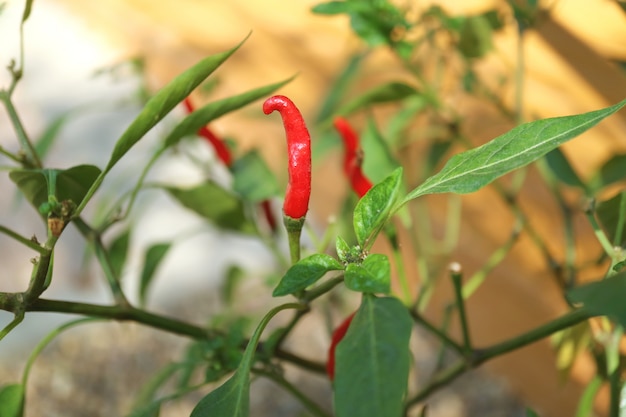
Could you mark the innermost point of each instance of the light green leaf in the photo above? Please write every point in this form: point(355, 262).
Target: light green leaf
point(253, 178)
point(342, 248)
point(392, 91)
point(473, 169)
point(154, 256)
point(232, 399)
point(12, 400)
point(213, 202)
point(378, 162)
point(216, 109)
point(373, 360)
point(587, 400)
point(306, 272)
point(374, 208)
point(603, 298)
point(373, 275)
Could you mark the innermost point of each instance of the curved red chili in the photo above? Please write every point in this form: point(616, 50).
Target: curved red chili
point(353, 157)
point(222, 151)
point(337, 336)
point(299, 149)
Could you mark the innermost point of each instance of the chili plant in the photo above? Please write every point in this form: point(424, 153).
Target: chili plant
point(369, 356)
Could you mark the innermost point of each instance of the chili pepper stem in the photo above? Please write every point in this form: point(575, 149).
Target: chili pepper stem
point(294, 231)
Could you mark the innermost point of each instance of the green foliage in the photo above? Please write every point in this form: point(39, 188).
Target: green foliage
point(385, 93)
point(373, 275)
point(603, 298)
point(253, 178)
point(12, 400)
point(153, 258)
point(609, 213)
point(561, 168)
point(118, 252)
point(373, 360)
point(306, 272)
point(471, 170)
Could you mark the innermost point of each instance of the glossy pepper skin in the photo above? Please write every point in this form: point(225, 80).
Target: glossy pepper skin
point(298, 191)
point(222, 151)
point(337, 336)
point(353, 157)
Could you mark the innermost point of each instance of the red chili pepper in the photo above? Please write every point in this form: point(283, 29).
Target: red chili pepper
point(337, 336)
point(353, 157)
point(299, 149)
point(222, 151)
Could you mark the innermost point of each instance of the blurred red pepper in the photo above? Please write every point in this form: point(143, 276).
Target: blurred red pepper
point(298, 191)
point(222, 151)
point(353, 157)
point(337, 336)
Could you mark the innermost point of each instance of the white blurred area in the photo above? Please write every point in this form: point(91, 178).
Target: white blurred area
point(63, 72)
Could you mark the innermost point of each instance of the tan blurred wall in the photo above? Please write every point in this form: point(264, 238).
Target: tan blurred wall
point(567, 71)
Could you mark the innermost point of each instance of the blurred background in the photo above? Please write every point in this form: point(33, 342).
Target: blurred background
point(90, 59)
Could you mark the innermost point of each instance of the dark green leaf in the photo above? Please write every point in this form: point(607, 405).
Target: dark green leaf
point(378, 162)
point(118, 251)
point(371, 276)
point(12, 400)
point(373, 210)
point(232, 277)
point(253, 178)
point(613, 170)
point(216, 109)
point(71, 184)
point(393, 91)
point(211, 201)
point(608, 213)
point(28, 7)
point(473, 169)
point(154, 256)
point(603, 298)
point(373, 360)
point(232, 399)
point(561, 168)
point(306, 272)
point(531, 413)
point(164, 101)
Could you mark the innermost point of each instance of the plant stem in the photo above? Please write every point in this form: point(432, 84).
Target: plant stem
point(28, 148)
point(437, 332)
point(480, 356)
point(457, 280)
point(32, 244)
point(310, 405)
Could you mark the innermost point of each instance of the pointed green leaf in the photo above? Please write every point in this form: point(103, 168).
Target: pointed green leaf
point(213, 202)
point(154, 256)
point(385, 93)
point(587, 400)
point(473, 169)
point(612, 171)
point(253, 178)
point(342, 248)
point(12, 400)
point(165, 100)
point(71, 184)
point(232, 399)
point(373, 360)
point(28, 7)
point(214, 110)
point(373, 210)
point(118, 251)
point(378, 162)
point(603, 298)
point(373, 275)
point(306, 272)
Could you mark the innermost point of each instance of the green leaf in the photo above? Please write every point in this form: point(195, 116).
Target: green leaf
point(211, 201)
point(378, 162)
point(473, 169)
point(373, 275)
point(587, 400)
point(608, 213)
point(165, 100)
point(48, 137)
point(28, 7)
point(373, 360)
point(332, 7)
point(306, 272)
point(12, 400)
point(612, 171)
point(561, 168)
point(204, 115)
point(342, 248)
point(118, 251)
point(373, 210)
point(603, 298)
point(475, 36)
point(71, 184)
point(531, 413)
point(392, 91)
point(232, 399)
point(154, 256)
point(233, 276)
point(253, 178)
